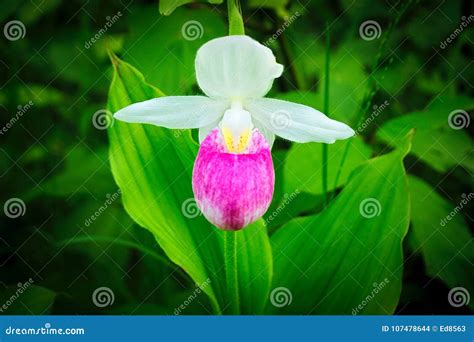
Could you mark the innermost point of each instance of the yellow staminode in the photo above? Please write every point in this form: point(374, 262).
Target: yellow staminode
point(236, 145)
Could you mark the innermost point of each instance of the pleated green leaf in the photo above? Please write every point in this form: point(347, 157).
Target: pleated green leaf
point(348, 259)
point(441, 235)
point(153, 168)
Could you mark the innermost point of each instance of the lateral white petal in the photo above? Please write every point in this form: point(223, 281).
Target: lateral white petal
point(269, 136)
point(236, 67)
point(175, 111)
point(204, 131)
point(297, 122)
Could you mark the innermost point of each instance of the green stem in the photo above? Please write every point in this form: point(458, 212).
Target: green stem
point(230, 255)
point(326, 111)
point(236, 23)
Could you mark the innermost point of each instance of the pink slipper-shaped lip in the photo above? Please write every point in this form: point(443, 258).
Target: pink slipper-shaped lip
point(233, 189)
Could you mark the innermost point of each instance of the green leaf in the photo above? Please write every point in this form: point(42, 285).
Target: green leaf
point(168, 6)
point(152, 167)
point(331, 261)
point(441, 235)
point(304, 165)
point(435, 142)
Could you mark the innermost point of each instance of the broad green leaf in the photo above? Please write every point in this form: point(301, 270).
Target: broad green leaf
point(441, 235)
point(168, 6)
point(304, 164)
point(435, 141)
point(152, 167)
point(334, 262)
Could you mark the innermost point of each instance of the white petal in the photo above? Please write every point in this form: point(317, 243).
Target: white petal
point(175, 111)
point(204, 131)
point(297, 122)
point(236, 67)
point(269, 136)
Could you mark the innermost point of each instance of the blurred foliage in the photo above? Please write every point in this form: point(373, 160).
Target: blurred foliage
point(55, 159)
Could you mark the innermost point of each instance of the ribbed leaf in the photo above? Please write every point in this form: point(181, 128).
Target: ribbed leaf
point(334, 262)
point(153, 167)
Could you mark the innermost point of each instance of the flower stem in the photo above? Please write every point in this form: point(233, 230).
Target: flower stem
point(236, 24)
point(230, 256)
point(326, 111)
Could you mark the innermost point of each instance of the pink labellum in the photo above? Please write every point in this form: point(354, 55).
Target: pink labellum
point(233, 189)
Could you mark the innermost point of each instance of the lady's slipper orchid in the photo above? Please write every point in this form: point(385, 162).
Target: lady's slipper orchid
point(233, 175)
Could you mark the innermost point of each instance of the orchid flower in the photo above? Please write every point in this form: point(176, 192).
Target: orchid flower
point(233, 176)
